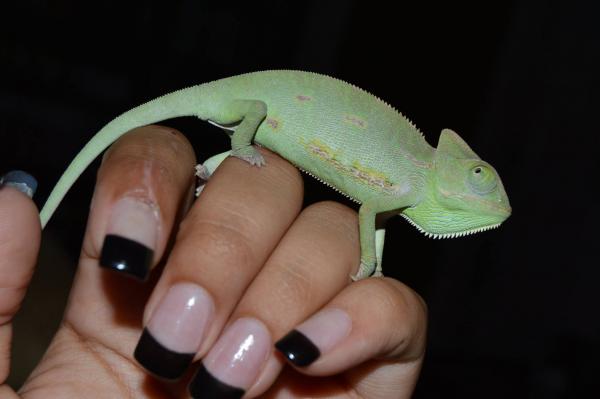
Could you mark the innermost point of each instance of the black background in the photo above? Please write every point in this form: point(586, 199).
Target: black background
point(513, 312)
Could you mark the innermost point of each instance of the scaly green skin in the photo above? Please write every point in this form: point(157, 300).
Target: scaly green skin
point(343, 136)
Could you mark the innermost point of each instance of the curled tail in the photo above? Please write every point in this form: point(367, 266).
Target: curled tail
point(184, 102)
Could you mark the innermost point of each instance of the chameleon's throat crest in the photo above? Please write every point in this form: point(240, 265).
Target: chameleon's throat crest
point(449, 235)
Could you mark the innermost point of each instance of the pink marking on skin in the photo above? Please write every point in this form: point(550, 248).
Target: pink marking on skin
point(362, 175)
point(356, 121)
point(301, 97)
point(274, 123)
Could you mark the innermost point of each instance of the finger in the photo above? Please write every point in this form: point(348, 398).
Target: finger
point(143, 185)
point(145, 178)
point(19, 244)
point(312, 263)
point(223, 242)
point(374, 330)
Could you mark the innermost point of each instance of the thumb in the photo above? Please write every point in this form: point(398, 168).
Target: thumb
point(19, 244)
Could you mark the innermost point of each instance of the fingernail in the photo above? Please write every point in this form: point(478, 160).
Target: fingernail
point(20, 180)
point(175, 331)
point(235, 361)
point(314, 337)
point(130, 238)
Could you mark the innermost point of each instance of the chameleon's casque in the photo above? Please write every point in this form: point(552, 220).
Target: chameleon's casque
point(340, 134)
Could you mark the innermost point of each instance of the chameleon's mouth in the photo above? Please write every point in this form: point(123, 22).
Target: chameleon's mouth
point(452, 234)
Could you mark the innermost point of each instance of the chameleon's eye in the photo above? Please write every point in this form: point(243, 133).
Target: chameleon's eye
point(482, 180)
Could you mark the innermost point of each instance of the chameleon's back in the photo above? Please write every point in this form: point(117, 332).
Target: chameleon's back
point(344, 135)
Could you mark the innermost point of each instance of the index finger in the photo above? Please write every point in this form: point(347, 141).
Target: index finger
point(143, 186)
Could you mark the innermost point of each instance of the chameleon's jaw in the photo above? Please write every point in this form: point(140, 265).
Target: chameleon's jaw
point(450, 234)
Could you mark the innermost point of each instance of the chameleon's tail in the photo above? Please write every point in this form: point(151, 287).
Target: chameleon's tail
point(179, 103)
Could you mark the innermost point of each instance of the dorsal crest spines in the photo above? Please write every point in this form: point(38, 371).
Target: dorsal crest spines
point(391, 108)
point(387, 105)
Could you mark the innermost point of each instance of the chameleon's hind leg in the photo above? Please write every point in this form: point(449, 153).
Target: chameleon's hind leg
point(369, 270)
point(205, 170)
point(379, 241)
point(252, 113)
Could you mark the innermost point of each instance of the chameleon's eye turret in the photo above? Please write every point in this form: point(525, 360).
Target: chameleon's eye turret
point(482, 180)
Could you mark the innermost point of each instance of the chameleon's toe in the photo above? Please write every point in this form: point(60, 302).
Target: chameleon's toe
point(378, 270)
point(250, 155)
point(378, 273)
point(365, 270)
point(202, 172)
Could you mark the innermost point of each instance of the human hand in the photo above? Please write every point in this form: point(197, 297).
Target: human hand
point(245, 267)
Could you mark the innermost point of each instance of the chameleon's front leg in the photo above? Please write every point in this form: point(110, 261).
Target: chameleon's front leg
point(247, 116)
point(379, 241)
point(253, 113)
point(366, 230)
point(372, 234)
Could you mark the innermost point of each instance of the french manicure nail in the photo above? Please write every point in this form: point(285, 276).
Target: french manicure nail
point(130, 240)
point(20, 180)
point(175, 331)
point(317, 335)
point(235, 361)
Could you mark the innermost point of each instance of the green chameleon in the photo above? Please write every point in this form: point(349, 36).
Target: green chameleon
point(345, 137)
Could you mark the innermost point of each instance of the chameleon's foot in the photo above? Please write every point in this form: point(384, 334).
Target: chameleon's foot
point(202, 172)
point(378, 271)
point(365, 270)
point(250, 155)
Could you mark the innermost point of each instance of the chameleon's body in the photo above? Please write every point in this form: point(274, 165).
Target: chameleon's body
point(343, 136)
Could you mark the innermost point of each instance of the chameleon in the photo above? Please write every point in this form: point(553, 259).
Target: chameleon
point(338, 133)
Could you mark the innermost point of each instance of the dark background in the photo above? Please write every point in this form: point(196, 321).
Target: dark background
point(513, 312)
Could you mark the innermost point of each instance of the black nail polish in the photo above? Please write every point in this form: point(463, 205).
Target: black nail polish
point(298, 349)
point(205, 386)
point(126, 256)
point(20, 180)
point(160, 361)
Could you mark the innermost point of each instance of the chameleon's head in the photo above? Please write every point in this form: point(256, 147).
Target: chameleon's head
point(463, 195)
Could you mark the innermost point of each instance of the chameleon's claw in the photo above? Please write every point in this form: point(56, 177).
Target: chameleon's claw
point(202, 172)
point(250, 155)
point(378, 270)
point(377, 273)
point(366, 270)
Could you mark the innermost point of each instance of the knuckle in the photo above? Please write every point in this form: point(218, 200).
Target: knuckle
point(391, 302)
point(333, 214)
point(156, 144)
point(332, 233)
point(281, 171)
point(415, 324)
point(401, 314)
point(148, 158)
point(412, 298)
point(217, 240)
point(296, 282)
point(331, 209)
